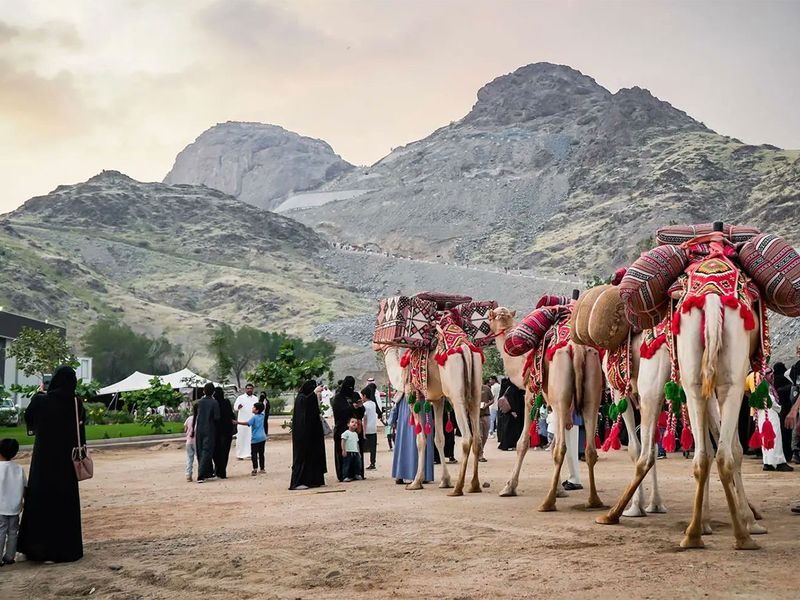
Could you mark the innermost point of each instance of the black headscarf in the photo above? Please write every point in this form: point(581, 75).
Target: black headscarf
point(779, 376)
point(63, 383)
point(226, 416)
point(307, 388)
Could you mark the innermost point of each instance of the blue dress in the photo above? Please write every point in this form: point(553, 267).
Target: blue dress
point(404, 459)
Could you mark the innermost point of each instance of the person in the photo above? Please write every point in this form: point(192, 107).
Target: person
point(370, 424)
point(222, 442)
point(205, 433)
point(308, 441)
point(783, 390)
point(351, 456)
point(388, 428)
point(405, 457)
point(12, 490)
point(794, 396)
point(258, 437)
point(486, 402)
point(191, 451)
point(262, 397)
point(572, 440)
point(244, 410)
point(773, 459)
point(50, 529)
point(511, 418)
point(551, 427)
point(494, 384)
point(342, 405)
point(327, 398)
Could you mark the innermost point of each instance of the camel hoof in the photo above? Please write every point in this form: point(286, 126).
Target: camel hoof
point(746, 544)
point(455, 493)
point(547, 507)
point(656, 509)
point(595, 503)
point(756, 529)
point(756, 515)
point(707, 529)
point(634, 511)
point(608, 519)
point(445, 485)
point(692, 542)
point(414, 486)
point(508, 491)
point(475, 488)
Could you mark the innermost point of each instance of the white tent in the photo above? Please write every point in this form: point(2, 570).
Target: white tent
point(182, 379)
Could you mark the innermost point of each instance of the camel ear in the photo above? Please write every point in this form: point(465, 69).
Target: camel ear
point(491, 314)
point(513, 314)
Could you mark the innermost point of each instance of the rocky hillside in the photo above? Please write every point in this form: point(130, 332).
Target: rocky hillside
point(178, 258)
point(258, 164)
point(551, 170)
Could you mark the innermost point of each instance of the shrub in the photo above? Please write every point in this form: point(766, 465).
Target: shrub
point(115, 417)
point(95, 413)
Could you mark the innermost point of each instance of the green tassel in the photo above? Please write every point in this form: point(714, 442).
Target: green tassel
point(612, 412)
point(411, 398)
point(759, 395)
point(622, 405)
point(533, 413)
point(428, 406)
point(671, 390)
point(537, 403)
point(417, 406)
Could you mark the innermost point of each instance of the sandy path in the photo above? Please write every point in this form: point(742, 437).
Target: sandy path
point(150, 534)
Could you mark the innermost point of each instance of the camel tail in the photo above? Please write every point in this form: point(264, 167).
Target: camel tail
point(469, 383)
point(578, 364)
point(713, 343)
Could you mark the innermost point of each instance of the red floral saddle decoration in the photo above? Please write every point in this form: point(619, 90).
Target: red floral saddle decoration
point(451, 339)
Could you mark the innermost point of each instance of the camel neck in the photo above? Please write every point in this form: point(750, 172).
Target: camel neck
point(513, 365)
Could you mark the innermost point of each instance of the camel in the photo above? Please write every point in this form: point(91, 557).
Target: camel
point(572, 378)
point(458, 380)
point(714, 350)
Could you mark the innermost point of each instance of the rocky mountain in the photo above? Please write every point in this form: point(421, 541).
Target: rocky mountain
point(258, 164)
point(174, 258)
point(551, 170)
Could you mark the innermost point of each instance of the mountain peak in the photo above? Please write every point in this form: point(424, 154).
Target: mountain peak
point(111, 176)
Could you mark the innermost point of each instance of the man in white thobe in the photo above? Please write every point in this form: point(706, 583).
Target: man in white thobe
point(244, 407)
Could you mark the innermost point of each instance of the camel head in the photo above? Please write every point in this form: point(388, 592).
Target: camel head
point(501, 319)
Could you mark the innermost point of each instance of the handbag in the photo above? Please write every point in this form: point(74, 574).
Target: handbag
point(504, 405)
point(81, 460)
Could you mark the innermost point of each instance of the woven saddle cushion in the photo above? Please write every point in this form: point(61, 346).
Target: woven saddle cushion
point(442, 300)
point(528, 333)
point(644, 288)
point(552, 300)
point(475, 321)
point(775, 267)
point(404, 321)
point(678, 234)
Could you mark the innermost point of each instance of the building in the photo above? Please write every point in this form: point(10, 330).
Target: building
point(10, 327)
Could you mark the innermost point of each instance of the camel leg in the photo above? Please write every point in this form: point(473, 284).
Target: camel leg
point(705, 521)
point(475, 420)
point(636, 508)
point(592, 396)
point(523, 443)
point(750, 513)
point(560, 390)
point(462, 418)
point(438, 439)
point(730, 397)
point(421, 445)
point(697, 410)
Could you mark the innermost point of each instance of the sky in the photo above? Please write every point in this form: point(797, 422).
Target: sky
point(127, 84)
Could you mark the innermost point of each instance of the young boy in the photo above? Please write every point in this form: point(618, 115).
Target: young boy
point(351, 465)
point(258, 437)
point(188, 429)
point(12, 489)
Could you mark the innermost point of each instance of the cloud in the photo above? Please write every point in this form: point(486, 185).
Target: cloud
point(57, 34)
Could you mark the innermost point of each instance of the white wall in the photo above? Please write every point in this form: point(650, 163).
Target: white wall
point(13, 375)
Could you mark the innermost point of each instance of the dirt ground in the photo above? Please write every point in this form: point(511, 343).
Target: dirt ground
point(150, 534)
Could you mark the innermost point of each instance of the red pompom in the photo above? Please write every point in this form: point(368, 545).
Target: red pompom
point(612, 441)
point(448, 426)
point(418, 428)
point(411, 420)
point(534, 433)
point(428, 428)
point(755, 440)
point(669, 442)
point(767, 435)
point(687, 441)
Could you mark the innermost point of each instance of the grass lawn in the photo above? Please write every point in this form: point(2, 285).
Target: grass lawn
point(97, 432)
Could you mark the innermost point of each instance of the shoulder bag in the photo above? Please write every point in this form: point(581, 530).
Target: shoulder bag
point(81, 460)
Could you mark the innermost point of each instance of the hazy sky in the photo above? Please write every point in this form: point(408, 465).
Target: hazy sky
point(126, 84)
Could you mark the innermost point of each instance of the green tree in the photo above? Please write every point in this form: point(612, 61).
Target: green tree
point(117, 351)
point(146, 402)
point(494, 362)
point(40, 352)
point(288, 371)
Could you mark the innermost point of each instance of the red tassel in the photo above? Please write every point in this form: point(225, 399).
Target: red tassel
point(534, 433)
point(649, 351)
point(405, 359)
point(613, 439)
point(669, 442)
point(606, 445)
point(755, 440)
point(411, 420)
point(448, 426)
point(418, 428)
point(675, 323)
point(596, 440)
point(428, 428)
point(686, 439)
point(767, 435)
point(747, 317)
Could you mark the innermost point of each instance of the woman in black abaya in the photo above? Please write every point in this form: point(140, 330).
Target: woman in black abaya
point(308, 441)
point(510, 424)
point(51, 522)
point(342, 406)
point(224, 434)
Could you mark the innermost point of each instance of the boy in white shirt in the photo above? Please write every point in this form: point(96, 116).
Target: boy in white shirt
point(12, 490)
point(370, 424)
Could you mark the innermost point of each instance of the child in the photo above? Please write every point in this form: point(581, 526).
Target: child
point(551, 428)
point(351, 463)
point(12, 489)
point(188, 429)
point(258, 437)
point(388, 427)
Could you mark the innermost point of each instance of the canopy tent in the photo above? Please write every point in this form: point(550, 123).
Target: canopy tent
point(185, 378)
